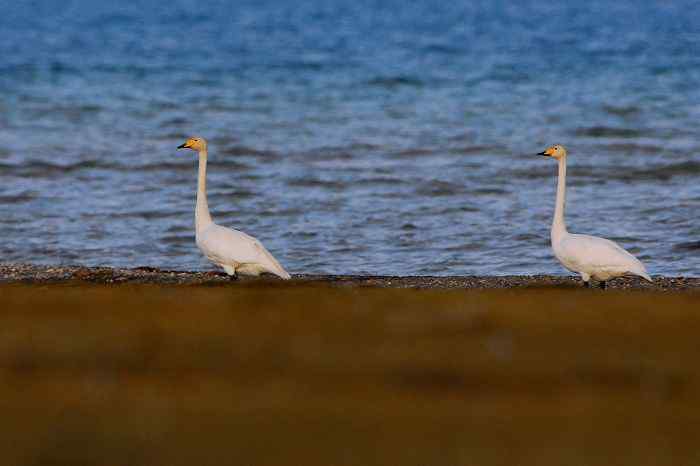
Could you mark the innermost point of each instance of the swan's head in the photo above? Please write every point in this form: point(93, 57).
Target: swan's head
point(557, 151)
point(194, 143)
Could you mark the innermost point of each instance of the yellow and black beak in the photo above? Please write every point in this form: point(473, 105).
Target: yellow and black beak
point(183, 146)
point(546, 153)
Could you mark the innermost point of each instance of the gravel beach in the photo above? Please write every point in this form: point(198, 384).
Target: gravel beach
point(24, 273)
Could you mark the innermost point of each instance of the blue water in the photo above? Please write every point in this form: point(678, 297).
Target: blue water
point(384, 137)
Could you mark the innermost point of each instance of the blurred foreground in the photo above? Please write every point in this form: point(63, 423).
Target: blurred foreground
point(273, 374)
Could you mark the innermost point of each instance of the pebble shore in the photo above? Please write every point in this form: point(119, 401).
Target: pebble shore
point(37, 274)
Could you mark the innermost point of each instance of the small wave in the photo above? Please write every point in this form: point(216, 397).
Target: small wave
point(231, 194)
point(533, 173)
point(20, 198)
point(456, 210)
point(57, 67)
point(344, 152)
point(77, 110)
point(613, 172)
point(162, 106)
point(363, 146)
point(462, 136)
point(176, 121)
point(507, 74)
point(111, 19)
point(316, 183)
point(41, 168)
point(19, 70)
point(413, 152)
point(179, 228)
point(381, 180)
point(475, 246)
point(187, 166)
point(622, 111)
point(688, 246)
point(249, 151)
point(488, 192)
point(438, 188)
point(298, 65)
point(144, 214)
point(459, 150)
point(176, 239)
point(477, 149)
point(631, 148)
point(610, 132)
point(442, 49)
point(280, 212)
point(305, 234)
point(526, 237)
point(172, 136)
point(330, 155)
point(664, 172)
point(395, 81)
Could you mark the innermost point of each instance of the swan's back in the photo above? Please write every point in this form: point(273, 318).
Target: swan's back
point(226, 246)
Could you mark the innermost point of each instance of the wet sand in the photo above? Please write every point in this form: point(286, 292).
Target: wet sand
point(104, 367)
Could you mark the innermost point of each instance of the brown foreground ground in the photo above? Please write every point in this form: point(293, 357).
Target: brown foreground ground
point(207, 372)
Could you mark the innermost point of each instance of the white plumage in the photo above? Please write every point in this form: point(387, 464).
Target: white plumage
point(237, 252)
point(233, 250)
point(596, 257)
point(590, 256)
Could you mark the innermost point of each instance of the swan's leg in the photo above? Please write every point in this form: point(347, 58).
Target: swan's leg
point(230, 271)
point(586, 280)
point(603, 285)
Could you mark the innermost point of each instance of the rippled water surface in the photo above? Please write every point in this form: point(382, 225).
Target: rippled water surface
point(350, 137)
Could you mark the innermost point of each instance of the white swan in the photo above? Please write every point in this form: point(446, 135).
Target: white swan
point(590, 256)
point(231, 249)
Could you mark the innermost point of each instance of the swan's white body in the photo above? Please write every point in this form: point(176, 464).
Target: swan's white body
point(589, 256)
point(233, 250)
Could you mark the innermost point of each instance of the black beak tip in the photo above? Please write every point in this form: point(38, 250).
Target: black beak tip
point(181, 146)
point(541, 153)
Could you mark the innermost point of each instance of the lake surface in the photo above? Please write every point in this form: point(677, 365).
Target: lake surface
point(350, 137)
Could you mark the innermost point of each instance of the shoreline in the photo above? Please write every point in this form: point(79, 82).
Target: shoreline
point(45, 275)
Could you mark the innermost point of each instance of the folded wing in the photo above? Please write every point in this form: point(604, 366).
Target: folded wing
point(592, 252)
point(232, 247)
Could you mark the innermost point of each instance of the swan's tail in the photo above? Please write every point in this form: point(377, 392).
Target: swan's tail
point(269, 262)
point(283, 274)
point(641, 271)
point(275, 267)
point(645, 276)
point(638, 269)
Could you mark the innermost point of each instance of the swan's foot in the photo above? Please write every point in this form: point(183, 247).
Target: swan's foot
point(586, 279)
point(603, 285)
point(230, 271)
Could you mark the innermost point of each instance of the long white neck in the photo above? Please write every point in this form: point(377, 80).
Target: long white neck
point(202, 218)
point(558, 224)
